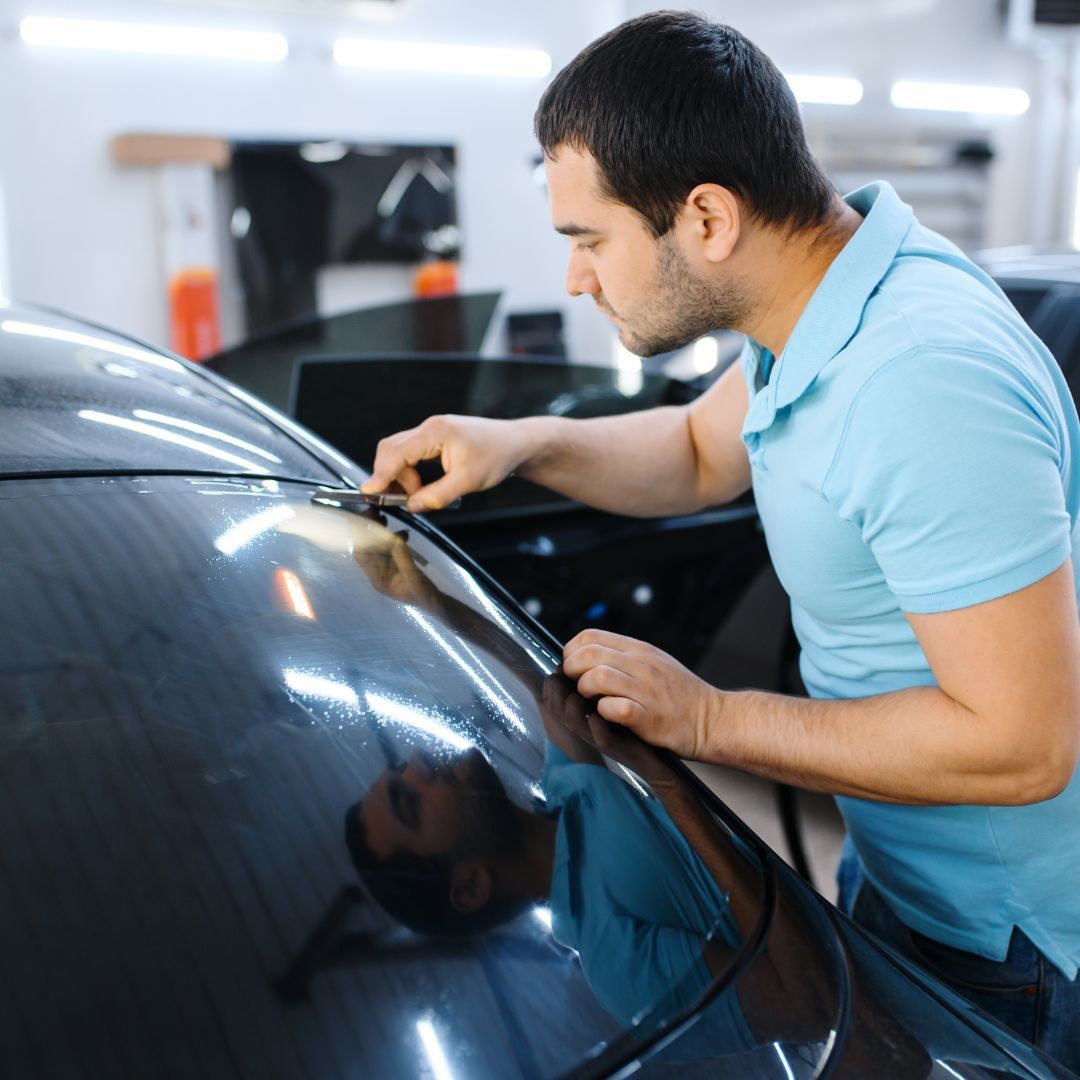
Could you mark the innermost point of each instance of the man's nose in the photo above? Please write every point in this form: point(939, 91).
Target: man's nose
point(580, 278)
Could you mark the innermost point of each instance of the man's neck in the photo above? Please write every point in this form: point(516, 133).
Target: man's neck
point(789, 268)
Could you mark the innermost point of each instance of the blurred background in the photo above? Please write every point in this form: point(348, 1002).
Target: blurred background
point(296, 166)
point(233, 178)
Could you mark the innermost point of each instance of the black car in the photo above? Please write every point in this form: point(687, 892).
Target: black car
point(292, 788)
point(354, 377)
point(1044, 287)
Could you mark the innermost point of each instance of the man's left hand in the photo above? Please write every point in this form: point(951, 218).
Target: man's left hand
point(644, 689)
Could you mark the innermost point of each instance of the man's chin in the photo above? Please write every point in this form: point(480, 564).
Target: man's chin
point(646, 350)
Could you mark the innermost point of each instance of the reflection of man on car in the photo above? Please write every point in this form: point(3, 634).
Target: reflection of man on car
point(444, 850)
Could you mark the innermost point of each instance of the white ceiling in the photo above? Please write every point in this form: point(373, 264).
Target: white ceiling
point(360, 9)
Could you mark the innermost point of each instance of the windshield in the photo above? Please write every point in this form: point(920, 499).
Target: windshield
point(286, 783)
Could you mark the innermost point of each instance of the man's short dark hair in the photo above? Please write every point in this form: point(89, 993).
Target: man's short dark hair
point(415, 890)
point(670, 100)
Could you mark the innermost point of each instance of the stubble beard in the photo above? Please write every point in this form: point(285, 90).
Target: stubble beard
point(683, 307)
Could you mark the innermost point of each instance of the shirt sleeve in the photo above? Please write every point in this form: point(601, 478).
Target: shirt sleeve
point(951, 465)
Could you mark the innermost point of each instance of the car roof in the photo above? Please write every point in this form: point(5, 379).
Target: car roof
point(1021, 264)
point(76, 398)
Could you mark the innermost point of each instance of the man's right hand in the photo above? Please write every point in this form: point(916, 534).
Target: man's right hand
point(475, 453)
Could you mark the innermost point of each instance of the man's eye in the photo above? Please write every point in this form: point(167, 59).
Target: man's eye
point(405, 804)
point(585, 247)
point(410, 809)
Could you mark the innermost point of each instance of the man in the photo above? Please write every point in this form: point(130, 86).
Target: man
point(913, 451)
point(444, 850)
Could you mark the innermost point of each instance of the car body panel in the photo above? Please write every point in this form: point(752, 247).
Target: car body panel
point(209, 681)
point(205, 675)
point(75, 398)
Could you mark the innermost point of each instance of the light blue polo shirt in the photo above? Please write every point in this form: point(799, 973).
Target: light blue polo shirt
point(639, 925)
point(915, 448)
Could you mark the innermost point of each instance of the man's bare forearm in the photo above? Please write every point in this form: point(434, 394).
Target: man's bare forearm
point(914, 746)
point(642, 464)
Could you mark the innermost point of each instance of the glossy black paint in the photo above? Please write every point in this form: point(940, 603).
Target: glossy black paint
point(671, 580)
point(76, 398)
point(205, 675)
point(207, 681)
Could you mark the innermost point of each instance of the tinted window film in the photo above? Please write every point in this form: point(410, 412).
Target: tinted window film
point(287, 791)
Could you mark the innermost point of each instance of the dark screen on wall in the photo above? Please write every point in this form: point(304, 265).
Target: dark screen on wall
point(301, 206)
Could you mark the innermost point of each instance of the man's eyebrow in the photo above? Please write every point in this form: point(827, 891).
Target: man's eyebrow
point(576, 230)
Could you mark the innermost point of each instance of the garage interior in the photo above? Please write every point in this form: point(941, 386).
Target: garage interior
point(202, 199)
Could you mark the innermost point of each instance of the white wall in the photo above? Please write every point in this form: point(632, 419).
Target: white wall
point(882, 41)
point(83, 232)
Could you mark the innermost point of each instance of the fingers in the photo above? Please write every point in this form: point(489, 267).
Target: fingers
point(603, 680)
point(623, 711)
point(438, 494)
point(474, 453)
point(397, 455)
point(595, 647)
point(402, 556)
point(618, 642)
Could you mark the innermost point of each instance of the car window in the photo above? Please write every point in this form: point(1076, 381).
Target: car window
point(289, 789)
point(447, 324)
point(409, 389)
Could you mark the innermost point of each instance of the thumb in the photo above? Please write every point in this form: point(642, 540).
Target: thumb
point(436, 495)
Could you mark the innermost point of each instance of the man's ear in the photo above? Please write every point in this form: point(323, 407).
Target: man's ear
point(470, 886)
point(714, 216)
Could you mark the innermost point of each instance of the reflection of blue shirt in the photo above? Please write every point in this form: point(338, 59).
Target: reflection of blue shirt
point(915, 448)
point(629, 895)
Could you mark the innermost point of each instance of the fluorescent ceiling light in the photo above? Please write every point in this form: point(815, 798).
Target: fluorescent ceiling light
point(825, 89)
point(401, 712)
point(304, 683)
point(251, 528)
point(151, 38)
point(471, 670)
point(167, 436)
point(322, 153)
point(378, 55)
point(950, 97)
point(13, 326)
point(200, 429)
point(440, 1067)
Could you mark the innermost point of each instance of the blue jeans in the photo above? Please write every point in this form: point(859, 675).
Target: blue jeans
point(1025, 992)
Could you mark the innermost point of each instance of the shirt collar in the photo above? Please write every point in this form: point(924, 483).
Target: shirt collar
point(835, 310)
